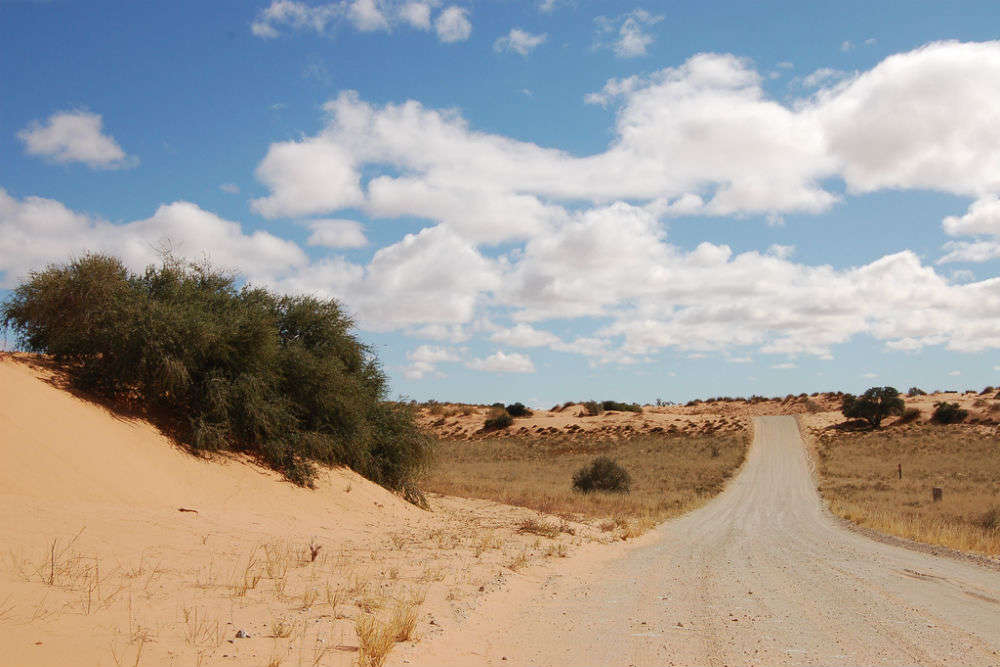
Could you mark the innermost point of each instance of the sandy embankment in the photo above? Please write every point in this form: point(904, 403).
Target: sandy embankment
point(131, 573)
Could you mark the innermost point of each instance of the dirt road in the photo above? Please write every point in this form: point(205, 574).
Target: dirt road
point(759, 576)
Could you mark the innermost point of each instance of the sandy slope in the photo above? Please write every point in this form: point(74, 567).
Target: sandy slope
point(760, 576)
point(139, 582)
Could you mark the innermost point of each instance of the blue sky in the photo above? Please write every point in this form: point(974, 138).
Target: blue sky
point(540, 201)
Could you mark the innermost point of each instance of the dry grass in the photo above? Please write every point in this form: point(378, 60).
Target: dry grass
point(859, 479)
point(670, 475)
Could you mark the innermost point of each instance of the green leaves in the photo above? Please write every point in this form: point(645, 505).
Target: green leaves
point(236, 367)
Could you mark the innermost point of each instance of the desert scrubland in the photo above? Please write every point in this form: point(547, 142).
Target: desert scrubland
point(859, 471)
point(122, 547)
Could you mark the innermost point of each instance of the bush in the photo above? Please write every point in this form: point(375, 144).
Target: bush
point(592, 408)
point(948, 413)
point(621, 407)
point(518, 410)
point(603, 474)
point(909, 415)
point(916, 391)
point(225, 367)
point(990, 519)
point(498, 421)
point(873, 406)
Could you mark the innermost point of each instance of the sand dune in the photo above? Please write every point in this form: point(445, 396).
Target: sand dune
point(134, 577)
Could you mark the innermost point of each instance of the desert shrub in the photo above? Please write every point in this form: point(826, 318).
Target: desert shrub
point(909, 415)
point(873, 406)
point(948, 413)
point(518, 410)
point(499, 406)
point(916, 391)
point(603, 474)
point(987, 390)
point(592, 408)
point(990, 519)
point(224, 367)
point(498, 421)
point(812, 406)
point(621, 407)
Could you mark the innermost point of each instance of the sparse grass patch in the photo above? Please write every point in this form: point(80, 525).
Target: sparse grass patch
point(670, 474)
point(860, 480)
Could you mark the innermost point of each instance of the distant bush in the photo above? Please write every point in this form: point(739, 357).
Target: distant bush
point(948, 413)
point(909, 415)
point(603, 474)
point(621, 407)
point(497, 405)
point(990, 519)
point(518, 410)
point(227, 367)
point(873, 406)
point(592, 408)
point(916, 391)
point(499, 421)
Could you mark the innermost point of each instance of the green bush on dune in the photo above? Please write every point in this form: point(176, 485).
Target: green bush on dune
point(227, 367)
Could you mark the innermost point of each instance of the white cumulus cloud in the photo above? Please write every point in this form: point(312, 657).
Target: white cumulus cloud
point(627, 35)
point(502, 362)
point(75, 136)
point(453, 25)
point(336, 233)
point(519, 41)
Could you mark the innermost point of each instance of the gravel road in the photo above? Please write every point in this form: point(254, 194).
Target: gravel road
point(761, 575)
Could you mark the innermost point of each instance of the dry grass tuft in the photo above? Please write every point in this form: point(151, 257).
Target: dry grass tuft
point(860, 480)
point(375, 640)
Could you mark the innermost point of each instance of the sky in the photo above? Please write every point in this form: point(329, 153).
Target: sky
point(545, 200)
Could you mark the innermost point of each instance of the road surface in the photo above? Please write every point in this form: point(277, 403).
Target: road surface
point(761, 575)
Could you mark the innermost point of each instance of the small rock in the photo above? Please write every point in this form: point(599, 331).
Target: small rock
point(242, 635)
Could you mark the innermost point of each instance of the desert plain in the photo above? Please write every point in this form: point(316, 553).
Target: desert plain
point(121, 548)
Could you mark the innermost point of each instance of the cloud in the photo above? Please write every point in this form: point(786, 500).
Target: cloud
point(35, 231)
point(367, 16)
point(295, 15)
point(870, 376)
point(822, 76)
point(785, 366)
point(75, 136)
point(425, 359)
point(519, 41)
point(524, 335)
point(501, 362)
point(336, 234)
point(970, 251)
point(230, 188)
point(983, 217)
point(453, 25)
point(363, 15)
point(416, 14)
point(307, 177)
point(628, 33)
point(954, 373)
point(846, 46)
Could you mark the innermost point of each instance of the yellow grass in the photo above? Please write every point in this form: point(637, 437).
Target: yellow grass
point(859, 479)
point(670, 475)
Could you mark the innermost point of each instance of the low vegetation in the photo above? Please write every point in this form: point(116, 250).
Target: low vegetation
point(602, 474)
point(222, 366)
point(669, 475)
point(498, 421)
point(948, 413)
point(861, 480)
point(518, 410)
point(873, 406)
